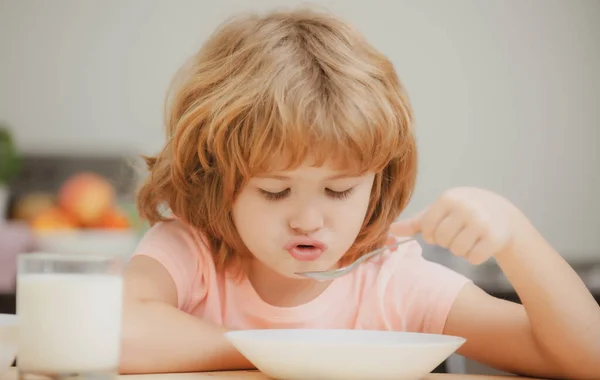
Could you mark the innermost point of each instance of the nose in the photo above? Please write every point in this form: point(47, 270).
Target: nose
point(306, 219)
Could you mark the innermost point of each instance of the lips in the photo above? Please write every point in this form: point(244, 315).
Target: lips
point(305, 249)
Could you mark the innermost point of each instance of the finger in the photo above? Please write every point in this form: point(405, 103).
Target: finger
point(464, 242)
point(407, 227)
point(481, 251)
point(431, 219)
point(448, 229)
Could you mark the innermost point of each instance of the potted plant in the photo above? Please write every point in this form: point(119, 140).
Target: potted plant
point(10, 165)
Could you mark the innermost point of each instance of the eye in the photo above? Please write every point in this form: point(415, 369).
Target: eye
point(339, 194)
point(274, 196)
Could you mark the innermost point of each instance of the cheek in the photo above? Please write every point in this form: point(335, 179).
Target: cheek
point(350, 215)
point(251, 217)
point(244, 211)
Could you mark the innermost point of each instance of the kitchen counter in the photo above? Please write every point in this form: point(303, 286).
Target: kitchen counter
point(254, 375)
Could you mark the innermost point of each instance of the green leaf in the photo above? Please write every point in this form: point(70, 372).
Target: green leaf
point(10, 161)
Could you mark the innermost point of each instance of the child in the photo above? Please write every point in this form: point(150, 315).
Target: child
point(291, 148)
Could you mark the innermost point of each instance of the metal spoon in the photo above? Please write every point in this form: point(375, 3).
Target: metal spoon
point(335, 273)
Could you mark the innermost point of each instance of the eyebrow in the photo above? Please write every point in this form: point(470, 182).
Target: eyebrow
point(287, 178)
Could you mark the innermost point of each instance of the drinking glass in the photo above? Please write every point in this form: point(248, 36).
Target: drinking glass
point(70, 312)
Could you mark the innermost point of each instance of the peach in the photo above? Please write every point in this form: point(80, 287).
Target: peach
point(53, 218)
point(29, 206)
point(113, 219)
point(86, 196)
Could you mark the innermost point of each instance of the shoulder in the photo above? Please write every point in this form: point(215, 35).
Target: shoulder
point(173, 237)
point(417, 293)
point(407, 265)
point(184, 253)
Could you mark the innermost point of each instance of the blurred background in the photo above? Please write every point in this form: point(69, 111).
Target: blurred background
point(505, 95)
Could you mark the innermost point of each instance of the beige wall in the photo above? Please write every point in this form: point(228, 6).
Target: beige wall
point(506, 92)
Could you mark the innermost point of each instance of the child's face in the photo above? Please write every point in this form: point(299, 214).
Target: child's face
point(276, 211)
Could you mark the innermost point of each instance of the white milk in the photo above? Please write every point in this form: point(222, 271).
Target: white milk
point(69, 322)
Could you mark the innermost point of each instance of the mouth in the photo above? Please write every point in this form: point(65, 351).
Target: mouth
point(305, 249)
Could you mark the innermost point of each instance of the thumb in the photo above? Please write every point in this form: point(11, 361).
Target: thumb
point(407, 227)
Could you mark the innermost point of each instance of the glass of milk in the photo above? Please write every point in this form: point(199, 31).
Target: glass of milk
point(70, 310)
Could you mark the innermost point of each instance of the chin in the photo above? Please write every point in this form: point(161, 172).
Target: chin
point(289, 271)
point(288, 267)
point(317, 265)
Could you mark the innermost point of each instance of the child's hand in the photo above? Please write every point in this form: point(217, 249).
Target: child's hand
point(473, 223)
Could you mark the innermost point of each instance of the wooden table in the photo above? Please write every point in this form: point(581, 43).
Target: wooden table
point(253, 375)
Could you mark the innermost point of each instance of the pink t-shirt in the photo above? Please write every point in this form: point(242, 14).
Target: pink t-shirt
point(398, 291)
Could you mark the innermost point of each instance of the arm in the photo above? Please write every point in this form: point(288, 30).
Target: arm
point(157, 337)
point(556, 333)
point(499, 334)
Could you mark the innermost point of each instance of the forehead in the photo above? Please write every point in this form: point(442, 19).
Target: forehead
point(330, 169)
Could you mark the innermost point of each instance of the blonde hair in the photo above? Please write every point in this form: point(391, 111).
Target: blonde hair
point(282, 85)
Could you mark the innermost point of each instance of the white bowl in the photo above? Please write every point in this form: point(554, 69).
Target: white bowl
point(8, 340)
point(343, 354)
